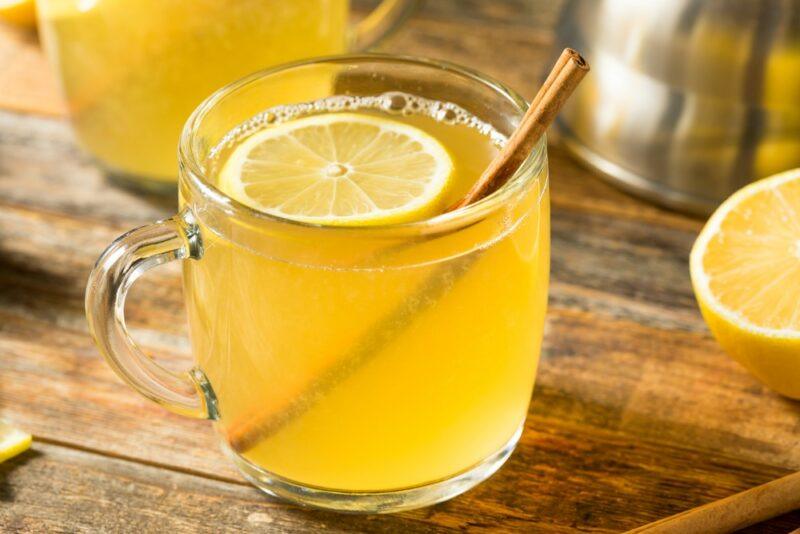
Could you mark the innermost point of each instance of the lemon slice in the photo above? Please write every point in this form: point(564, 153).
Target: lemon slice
point(12, 441)
point(745, 268)
point(18, 12)
point(340, 169)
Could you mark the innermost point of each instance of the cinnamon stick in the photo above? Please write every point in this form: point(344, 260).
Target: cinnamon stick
point(738, 511)
point(245, 432)
point(567, 73)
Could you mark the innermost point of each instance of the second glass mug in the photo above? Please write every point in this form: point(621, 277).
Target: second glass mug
point(369, 369)
point(133, 70)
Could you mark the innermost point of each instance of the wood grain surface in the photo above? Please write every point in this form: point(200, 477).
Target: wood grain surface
point(637, 413)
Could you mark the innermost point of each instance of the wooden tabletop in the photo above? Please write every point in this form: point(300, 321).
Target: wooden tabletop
point(637, 412)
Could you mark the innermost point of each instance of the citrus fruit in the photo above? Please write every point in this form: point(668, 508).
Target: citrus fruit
point(12, 441)
point(745, 269)
point(343, 169)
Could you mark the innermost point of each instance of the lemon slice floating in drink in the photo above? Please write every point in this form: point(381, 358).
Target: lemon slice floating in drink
point(745, 268)
point(343, 169)
point(12, 441)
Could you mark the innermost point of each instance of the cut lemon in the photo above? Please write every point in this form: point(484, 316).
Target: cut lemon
point(745, 268)
point(18, 12)
point(340, 169)
point(12, 441)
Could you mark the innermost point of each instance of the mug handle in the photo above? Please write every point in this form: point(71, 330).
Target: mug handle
point(127, 258)
point(381, 22)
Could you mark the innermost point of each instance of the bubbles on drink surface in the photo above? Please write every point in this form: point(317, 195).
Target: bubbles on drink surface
point(393, 103)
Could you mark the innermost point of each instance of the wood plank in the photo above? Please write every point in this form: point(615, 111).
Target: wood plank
point(642, 382)
point(613, 266)
point(598, 263)
point(616, 258)
point(586, 376)
point(634, 381)
point(64, 490)
point(637, 413)
point(668, 386)
point(68, 490)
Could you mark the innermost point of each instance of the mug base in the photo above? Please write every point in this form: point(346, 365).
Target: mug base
point(374, 502)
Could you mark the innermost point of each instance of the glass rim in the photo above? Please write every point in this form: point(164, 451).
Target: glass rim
point(519, 182)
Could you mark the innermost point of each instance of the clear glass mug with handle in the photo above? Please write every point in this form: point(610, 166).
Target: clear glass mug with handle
point(133, 70)
point(369, 369)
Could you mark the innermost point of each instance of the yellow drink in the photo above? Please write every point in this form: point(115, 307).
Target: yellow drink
point(372, 364)
point(133, 70)
point(358, 348)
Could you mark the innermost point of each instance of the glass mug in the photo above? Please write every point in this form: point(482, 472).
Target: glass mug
point(369, 369)
point(133, 70)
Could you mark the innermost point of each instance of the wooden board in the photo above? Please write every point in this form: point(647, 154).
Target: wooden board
point(637, 413)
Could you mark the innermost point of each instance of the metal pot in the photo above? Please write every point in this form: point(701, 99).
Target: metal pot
point(688, 100)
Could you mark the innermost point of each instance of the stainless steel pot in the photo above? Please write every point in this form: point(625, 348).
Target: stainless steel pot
point(687, 100)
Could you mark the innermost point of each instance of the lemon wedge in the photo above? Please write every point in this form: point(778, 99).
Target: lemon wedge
point(12, 441)
point(18, 12)
point(343, 169)
point(745, 269)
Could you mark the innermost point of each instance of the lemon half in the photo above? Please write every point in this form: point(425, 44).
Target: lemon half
point(344, 169)
point(745, 269)
point(12, 441)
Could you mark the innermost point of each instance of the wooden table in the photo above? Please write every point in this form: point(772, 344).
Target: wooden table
point(637, 412)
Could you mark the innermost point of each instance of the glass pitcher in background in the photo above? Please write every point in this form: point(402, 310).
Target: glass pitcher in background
point(133, 70)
